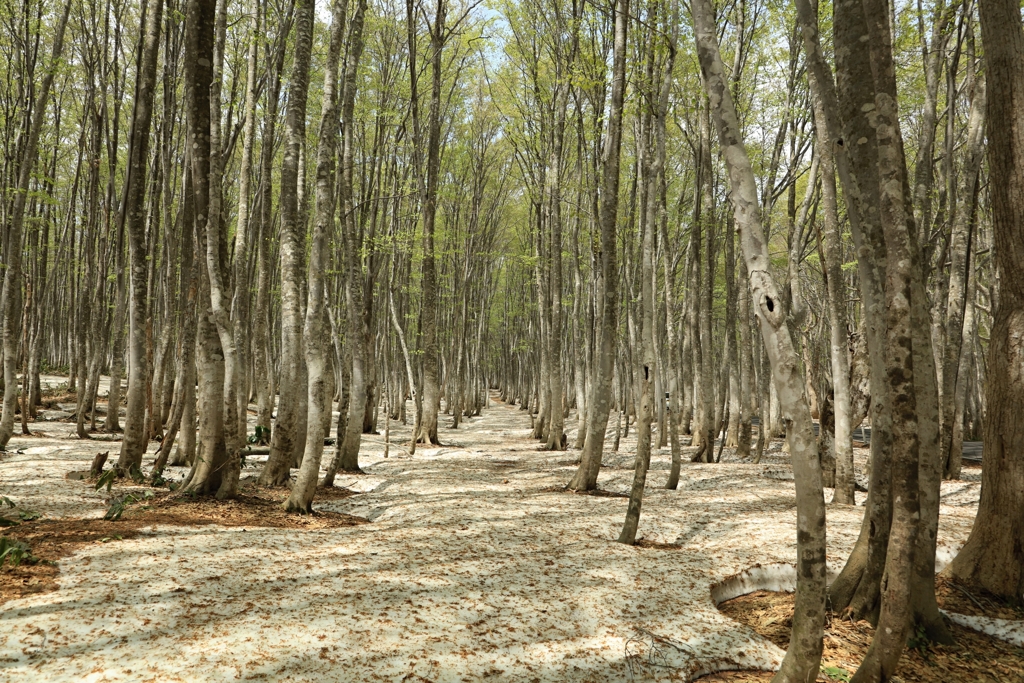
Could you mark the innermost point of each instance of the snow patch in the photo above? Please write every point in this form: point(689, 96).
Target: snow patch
point(1004, 629)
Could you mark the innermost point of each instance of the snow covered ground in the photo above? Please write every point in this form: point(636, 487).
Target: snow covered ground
point(473, 567)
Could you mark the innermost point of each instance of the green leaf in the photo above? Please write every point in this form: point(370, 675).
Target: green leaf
point(106, 479)
point(836, 673)
point(15, 551)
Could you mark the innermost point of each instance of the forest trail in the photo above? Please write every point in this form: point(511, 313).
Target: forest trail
point(474, 566)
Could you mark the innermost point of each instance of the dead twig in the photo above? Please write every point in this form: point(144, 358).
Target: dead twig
point(965, 592)
point(647, 649)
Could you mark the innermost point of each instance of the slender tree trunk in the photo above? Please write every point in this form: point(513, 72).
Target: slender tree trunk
point(959, 278)
point(240, 301)
point(803, 658)
point(839, 334)
point(746, 362)
point(428, 190)
point(11, 292)
point(314, 332)
point(263, 370)
point(704, 429)
point(358, 335)
point(133, 215)
point(585, 478)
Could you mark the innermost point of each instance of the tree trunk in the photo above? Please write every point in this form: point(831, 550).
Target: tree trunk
point(959, 279)
point(216, 468)
point(993, 557)
point(857, 588)
point(357, 336)
point(315, 332)
point(288, 440)
point(240, 301)
point(839, 333)
point(10, 298)
point(585, 478)
point(803, 658)
point(133, 215)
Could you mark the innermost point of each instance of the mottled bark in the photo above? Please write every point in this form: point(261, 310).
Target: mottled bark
point(288, 440)
point(993, 557)
point(803, 658)
point(133, 215)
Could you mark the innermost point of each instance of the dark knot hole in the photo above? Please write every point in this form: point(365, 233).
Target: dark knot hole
point(769, 303)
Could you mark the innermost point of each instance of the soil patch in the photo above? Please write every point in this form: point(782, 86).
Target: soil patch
point(51, 540)
point(739, 677)
point(975, 658)
point(654, 545)
point(255, 506)
point(954, 596)
point(599, 493)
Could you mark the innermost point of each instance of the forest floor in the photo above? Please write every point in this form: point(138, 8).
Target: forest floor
point(462, 563)
point(974, 658)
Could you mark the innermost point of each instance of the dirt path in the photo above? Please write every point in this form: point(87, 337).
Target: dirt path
point(472, 568)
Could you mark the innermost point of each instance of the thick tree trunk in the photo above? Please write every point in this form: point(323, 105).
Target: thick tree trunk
point(993, 557)
point(213, 471)
point(914, 411)
point(857, 588)
point(288, 440)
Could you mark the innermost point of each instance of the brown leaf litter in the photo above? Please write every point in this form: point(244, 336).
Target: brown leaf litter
point(975, 658)
point(476, 566)
point(50, 540)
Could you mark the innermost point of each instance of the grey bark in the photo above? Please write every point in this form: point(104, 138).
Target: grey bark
point(288, 439)
point(804, 655)
point(315, 328)
point(599, 402)
point(11, 292)
point(133, 446)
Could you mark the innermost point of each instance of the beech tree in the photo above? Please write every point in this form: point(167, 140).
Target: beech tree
point(992, 555)
point(260, 214)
